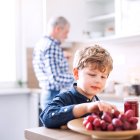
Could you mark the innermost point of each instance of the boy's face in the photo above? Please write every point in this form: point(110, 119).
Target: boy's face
point(90, 81)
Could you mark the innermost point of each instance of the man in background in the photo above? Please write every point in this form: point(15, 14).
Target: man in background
point(50, 64)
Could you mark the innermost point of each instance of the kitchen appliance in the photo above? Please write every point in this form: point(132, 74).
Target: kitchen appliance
point(136, 88)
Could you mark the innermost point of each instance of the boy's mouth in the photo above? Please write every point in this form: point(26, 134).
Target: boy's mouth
point(95, 87)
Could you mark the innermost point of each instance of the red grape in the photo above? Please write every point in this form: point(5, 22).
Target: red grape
point(110, 127)
point(85, 122)
point(89, 118)
point(107, 117)
point(97, 122)
point(89, 126)
point(115, 121)
point(116, 113)
point(133, 120)
point(129, 113)
point(122, 117)
point(103, 125)
point(126, 125)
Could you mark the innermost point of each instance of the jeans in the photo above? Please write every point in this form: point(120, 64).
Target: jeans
point(47, 96)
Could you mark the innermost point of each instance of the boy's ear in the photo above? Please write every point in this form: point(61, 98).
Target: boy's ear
point(75, 74)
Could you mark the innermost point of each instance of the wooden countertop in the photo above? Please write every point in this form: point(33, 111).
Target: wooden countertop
point(42, 133)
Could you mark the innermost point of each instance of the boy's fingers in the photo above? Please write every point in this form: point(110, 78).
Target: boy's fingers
point(106, 107)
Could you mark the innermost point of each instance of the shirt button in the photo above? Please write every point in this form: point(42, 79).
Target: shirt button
point(87, 100)
point(65, 109)
point(53, 114)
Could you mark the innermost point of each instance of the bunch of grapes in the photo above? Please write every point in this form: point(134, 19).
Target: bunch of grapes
point(106, 121)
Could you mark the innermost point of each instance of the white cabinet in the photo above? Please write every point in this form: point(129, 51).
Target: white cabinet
point(112, 18)
point(100, 18)
point(96, 19)
point(130, 17)
point(18, 111)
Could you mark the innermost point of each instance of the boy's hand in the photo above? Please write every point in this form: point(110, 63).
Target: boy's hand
point(100, 106)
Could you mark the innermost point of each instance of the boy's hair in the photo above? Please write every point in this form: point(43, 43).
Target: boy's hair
point(96, 55)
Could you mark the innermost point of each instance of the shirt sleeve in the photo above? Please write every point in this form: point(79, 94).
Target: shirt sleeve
point(57, 113)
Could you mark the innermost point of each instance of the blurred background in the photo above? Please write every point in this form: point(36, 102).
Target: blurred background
point(114, 24)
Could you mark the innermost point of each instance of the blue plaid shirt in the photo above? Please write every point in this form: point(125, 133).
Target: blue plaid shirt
point(50, 65)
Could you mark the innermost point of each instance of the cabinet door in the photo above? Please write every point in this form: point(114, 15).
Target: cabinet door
point(130, 17)
point(73, 10)
point(18, 112)
point(101, 18)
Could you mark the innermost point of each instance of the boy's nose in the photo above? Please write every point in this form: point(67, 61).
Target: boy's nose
point(98, 79)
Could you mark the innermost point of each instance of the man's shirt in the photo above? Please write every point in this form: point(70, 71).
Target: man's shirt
point(50, 65)
point(60, 110)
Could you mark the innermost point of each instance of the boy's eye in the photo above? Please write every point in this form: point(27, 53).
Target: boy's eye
point(92, 74)
point(104, 77)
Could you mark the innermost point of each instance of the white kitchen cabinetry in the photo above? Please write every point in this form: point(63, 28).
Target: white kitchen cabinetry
point(130, 17)
point(112, 18)
point(18, 111)
point(97, 19)
point(101, 20)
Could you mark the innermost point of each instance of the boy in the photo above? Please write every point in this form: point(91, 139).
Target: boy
point(91, 69)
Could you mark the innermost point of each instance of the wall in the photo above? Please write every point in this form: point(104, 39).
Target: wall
point(126, 62)
point(125, 57)
point(125, 53)
point(30, 29)
point(72, 11)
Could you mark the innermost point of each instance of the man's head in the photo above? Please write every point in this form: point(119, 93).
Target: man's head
point(58, 28)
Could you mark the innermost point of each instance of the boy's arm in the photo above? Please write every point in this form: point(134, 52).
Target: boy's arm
point(56, 116)
point(80, 110)
point(58, 112)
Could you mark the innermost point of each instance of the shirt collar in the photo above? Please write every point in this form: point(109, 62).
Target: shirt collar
point(54, 40)
point(75, 92)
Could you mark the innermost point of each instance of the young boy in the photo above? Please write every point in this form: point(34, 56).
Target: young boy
point(91, 69)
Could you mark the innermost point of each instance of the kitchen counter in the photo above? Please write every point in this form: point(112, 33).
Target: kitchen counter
point(42, 133)
point(114, 97)
point(13, 91)
point(110, 96)
point(19, 110)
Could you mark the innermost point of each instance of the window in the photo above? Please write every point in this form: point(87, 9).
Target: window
point(7, 41)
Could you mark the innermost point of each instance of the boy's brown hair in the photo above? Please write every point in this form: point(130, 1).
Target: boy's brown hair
point(96, 55)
